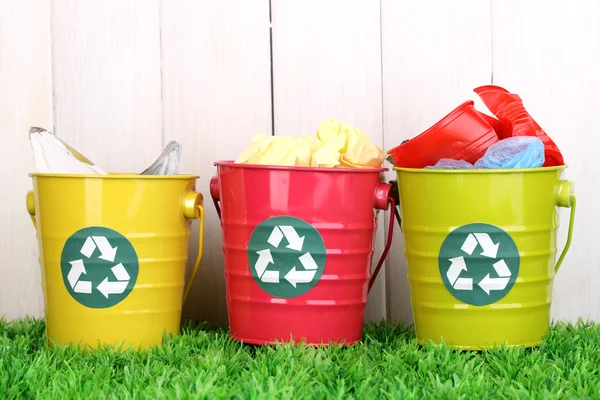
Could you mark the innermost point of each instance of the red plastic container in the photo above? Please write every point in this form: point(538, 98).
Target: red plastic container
point(509, 109)
point(271, 296)
point(463, 134)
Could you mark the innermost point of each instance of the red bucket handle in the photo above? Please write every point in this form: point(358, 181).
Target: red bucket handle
point(214, 193)
point(381, 200)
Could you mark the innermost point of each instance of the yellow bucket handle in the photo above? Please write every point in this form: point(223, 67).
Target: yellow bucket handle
point(200, 251)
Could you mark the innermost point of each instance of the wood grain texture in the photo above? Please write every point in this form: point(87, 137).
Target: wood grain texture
point(25, 100)
point(216, 97)
point(106, 74)
point(548, 52)
point(327, 63)
point(434, 53)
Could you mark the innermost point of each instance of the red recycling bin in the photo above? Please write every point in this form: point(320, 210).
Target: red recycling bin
point(298, 244)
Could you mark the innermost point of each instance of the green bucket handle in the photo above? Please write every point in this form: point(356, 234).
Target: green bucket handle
point(565, 198)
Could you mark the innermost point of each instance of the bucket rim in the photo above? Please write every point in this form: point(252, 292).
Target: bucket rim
point(114, 175)
point(480, 171)
point(231, 163)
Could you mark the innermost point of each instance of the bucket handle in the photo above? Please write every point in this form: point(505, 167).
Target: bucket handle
point(194, 202)
point(389, 201)
point(566, 198)
point(214, 193)
point(192, 209)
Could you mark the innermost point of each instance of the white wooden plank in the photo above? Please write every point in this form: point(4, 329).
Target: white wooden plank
point(549, 53)
point(217, 96)
point(327, 63)
point(106, 74)
point(434, 54)
point(25, 100)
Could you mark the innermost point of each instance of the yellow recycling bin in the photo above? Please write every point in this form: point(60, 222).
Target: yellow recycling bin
point(113, 252)
point(481, 247)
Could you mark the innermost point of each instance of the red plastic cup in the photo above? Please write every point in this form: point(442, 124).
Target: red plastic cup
point(463, 134)
point(516, 121)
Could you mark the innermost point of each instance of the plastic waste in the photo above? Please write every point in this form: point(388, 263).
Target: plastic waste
point(513, 152)
point(449, 163)
point(52, 155)
point(335, 145)
point(463, 134)
point(168, 161)
point(516, 121)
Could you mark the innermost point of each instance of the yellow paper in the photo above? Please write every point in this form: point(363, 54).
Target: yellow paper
point(354, 146)
point(335, 145)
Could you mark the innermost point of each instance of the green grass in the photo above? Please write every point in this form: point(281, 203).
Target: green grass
point(387, 364)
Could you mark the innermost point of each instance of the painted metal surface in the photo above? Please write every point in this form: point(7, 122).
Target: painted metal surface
point(113, 252)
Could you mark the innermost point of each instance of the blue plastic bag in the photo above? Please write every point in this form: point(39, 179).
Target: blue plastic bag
point(449, 163)
point(513, 152)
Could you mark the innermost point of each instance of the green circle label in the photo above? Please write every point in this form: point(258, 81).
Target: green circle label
point(286, 256)
point(479, 263)
point(99, 267)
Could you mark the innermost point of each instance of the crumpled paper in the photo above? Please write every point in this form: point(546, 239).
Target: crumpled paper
point(336, 145)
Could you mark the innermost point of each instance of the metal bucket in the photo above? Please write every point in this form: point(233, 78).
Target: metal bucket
point(480, 247)
point(298, 245)
point(113, 252)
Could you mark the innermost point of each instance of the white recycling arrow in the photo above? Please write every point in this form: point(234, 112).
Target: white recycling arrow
point(295, 242)
point(107, 287)
point(463, 284)
point(488, 284)
point(502, 269)
point(469, 244)
point(84, 287)
point(457, 265)
point(308, 262)
point(275, 237)
point(270, 277)
point(77, 269)
point(108, 252)
point(120, 272)
point(264, 259)
point(490, 249)
point(88, 247)
point(295, 276)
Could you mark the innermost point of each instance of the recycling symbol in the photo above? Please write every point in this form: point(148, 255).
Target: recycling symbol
point(99, 267)
point(286, 256)
point(479, 263)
